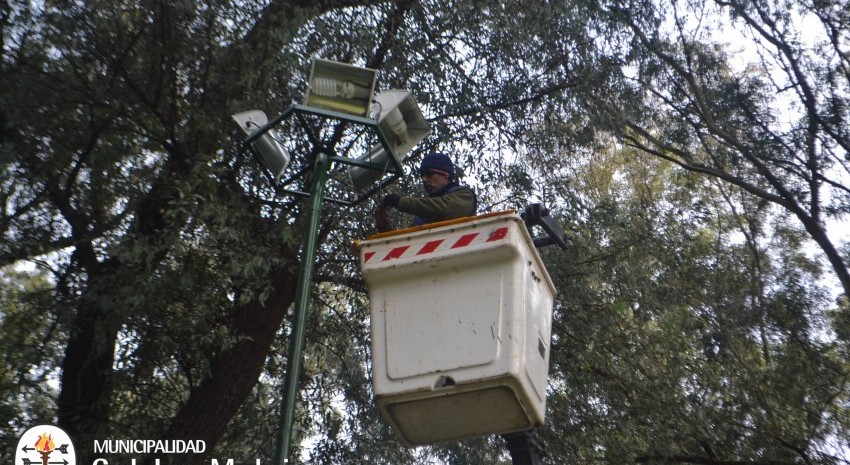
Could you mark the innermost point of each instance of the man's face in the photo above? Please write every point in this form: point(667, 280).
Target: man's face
point(432, 182)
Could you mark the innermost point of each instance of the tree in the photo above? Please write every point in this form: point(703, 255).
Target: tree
point(172, 261)
point(776, 128)
point(114, 116)
point(677, 343)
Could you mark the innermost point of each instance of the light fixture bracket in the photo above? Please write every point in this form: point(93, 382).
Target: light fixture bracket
point(295, 114)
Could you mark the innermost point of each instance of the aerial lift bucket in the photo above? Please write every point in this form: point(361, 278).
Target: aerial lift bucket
point(461, 324)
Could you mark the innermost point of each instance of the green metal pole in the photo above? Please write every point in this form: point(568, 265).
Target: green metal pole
point(302, 300)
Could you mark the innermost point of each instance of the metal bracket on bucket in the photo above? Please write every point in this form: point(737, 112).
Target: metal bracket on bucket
point(537, 214)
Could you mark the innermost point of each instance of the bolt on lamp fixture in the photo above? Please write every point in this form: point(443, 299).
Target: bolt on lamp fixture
point(273, 156)
point(341, 87)
point(402, 122)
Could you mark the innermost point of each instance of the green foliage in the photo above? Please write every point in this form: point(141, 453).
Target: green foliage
point(674, 343)
point(33, 335)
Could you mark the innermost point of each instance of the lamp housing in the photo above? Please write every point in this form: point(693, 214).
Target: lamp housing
point(271, 153)
point(404, 126)
point(362, 177)
point(401, 120)
point(341, 87)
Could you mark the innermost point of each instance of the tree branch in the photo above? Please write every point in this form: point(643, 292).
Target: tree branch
point(697, 460)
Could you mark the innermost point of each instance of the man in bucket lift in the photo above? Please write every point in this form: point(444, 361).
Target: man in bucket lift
point(446, 198)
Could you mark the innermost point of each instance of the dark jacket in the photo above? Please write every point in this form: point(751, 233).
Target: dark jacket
point(453, 201)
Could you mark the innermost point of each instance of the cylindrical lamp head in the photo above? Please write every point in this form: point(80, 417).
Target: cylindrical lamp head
point(274, 157)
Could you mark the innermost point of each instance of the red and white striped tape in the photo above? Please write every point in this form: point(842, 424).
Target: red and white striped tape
point(437, 245)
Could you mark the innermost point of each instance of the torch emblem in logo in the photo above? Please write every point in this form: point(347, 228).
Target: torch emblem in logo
point(45, 445)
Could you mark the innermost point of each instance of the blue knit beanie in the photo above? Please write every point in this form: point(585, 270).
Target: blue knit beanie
point(437, 162)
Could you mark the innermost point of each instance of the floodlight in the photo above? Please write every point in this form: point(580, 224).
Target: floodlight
point(402, 122)
point(362, 177)
point(273, 156)
point(341, 87)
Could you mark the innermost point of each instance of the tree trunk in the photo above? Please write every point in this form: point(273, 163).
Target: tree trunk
point(234, 373)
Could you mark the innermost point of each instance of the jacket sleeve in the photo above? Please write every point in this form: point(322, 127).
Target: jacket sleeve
point(455, 205)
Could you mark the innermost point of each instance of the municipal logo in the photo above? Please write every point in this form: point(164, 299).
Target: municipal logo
point(45, 445)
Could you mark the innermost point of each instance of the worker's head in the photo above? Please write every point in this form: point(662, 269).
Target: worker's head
point(436, 171)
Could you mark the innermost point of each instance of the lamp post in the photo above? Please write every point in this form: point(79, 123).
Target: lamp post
point(342, 93)
point(302, 299)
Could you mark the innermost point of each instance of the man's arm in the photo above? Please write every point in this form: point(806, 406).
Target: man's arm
point(455, 205)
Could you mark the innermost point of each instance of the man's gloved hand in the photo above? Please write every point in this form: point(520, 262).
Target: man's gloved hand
point(382, 218)
point(390, 200)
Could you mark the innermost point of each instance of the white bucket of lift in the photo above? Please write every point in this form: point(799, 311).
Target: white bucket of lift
point(461, 322)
